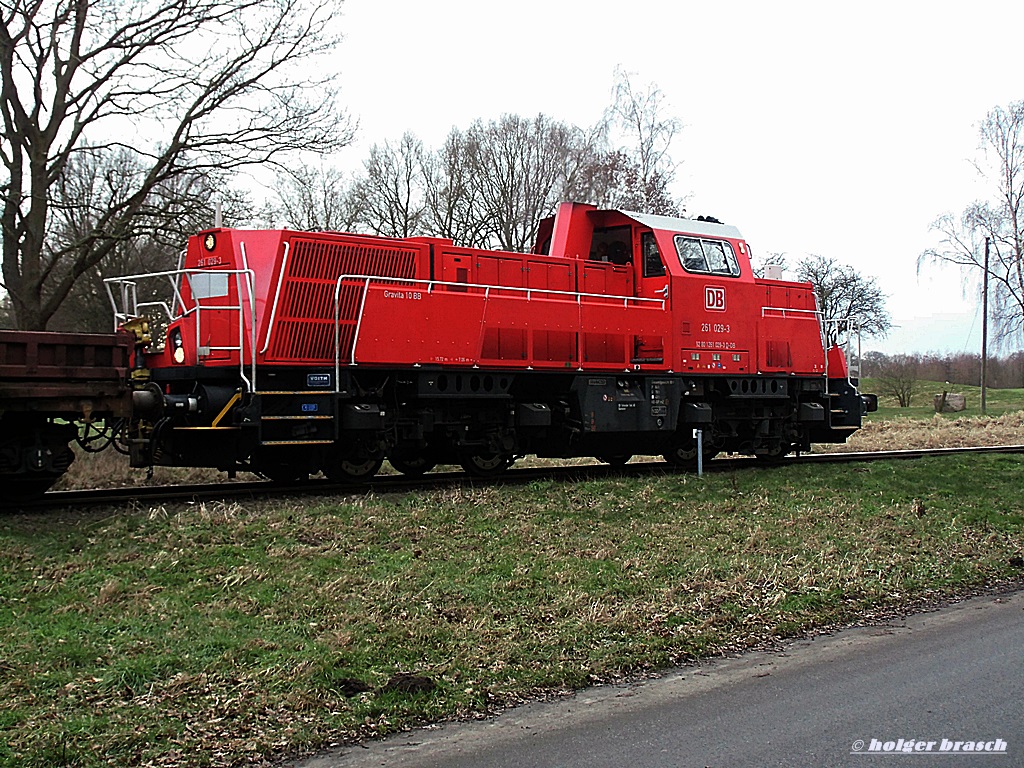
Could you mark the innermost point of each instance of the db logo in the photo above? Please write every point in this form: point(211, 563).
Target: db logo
point(714, 298)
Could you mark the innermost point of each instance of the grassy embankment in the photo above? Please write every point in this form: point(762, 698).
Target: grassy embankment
point(894, 428)
point(206, 635)
point(224, 633)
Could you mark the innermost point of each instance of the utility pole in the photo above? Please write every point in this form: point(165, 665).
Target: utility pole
point(984, 329)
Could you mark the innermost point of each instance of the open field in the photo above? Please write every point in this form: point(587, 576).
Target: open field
point(997, 401)
point(224, 634)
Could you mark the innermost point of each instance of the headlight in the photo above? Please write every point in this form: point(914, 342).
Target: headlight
point(177, 346)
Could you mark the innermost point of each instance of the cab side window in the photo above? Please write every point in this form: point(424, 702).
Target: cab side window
point(691, 255)
point(712, 257)
point(653, 265)
point(612, 244)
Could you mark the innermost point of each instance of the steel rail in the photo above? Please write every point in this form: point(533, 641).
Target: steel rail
point(253, 490)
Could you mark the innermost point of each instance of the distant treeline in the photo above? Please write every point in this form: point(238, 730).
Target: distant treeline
point(1003, 372)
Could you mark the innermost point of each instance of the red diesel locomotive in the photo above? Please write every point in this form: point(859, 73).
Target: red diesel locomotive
point(288, 353)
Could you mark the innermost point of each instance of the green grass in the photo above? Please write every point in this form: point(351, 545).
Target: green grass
point(228, 634)
point(997, 401)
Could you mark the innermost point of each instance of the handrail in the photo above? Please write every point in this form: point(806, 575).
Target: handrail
point(243, 277)
point(794, 310)
point(277, 297)
point(250, 293)
point(851, 327)
point(430, 285)
point(359, 322)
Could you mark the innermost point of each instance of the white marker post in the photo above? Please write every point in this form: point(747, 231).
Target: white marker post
point(699, 434)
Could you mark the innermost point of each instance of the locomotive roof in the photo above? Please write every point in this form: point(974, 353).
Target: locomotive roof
point(690, 226)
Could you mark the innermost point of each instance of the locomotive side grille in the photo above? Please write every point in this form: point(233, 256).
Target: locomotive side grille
point(304, 328)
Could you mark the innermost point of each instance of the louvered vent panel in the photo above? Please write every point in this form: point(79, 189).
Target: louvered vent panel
point(304, 328)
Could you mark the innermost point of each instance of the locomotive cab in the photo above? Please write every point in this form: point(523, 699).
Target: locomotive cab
point(756, 347)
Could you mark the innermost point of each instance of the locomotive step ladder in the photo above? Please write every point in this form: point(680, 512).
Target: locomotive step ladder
point(296, 418)
point(838, 415)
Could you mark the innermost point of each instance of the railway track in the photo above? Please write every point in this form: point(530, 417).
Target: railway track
point(400, 483)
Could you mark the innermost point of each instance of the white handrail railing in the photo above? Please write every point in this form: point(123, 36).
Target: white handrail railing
point(245, 284)
point(429, 286)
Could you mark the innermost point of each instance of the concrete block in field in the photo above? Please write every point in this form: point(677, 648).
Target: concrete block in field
point(950, 403)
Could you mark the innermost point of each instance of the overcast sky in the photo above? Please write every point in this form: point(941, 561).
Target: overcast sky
point(814, 127)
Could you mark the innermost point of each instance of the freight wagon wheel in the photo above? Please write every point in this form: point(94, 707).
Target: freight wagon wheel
point(411, 463)
point(616, 460)
point(486, 464)
point(353, 469)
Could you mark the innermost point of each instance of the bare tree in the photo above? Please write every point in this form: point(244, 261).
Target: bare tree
point(491, 184)
point(644, 166)
point(844, 295)
point(520, 164)
point(450, 181)
point(315, 198)
point(181, 86)
point(897, 375)
point(391, 194)
point(1000, 219)
point(93, 183)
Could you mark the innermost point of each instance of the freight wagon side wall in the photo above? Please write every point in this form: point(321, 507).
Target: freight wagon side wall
point(69, 374)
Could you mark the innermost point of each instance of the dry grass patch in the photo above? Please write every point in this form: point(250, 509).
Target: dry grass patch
point(109, 469)
point(938, 432)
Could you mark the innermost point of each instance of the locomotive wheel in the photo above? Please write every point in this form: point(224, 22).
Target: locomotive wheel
point(411, 463)
point(284, 466)
point(682, 457)
point(685, 456)
point(285, 474)
point(353, 469)
point(616, 460)
point(486, 464)
point(775, 454)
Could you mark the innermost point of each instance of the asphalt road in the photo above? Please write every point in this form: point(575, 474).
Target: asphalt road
point(845, 699)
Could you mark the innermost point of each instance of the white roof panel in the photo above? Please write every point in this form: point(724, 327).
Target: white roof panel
point(688, 226)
